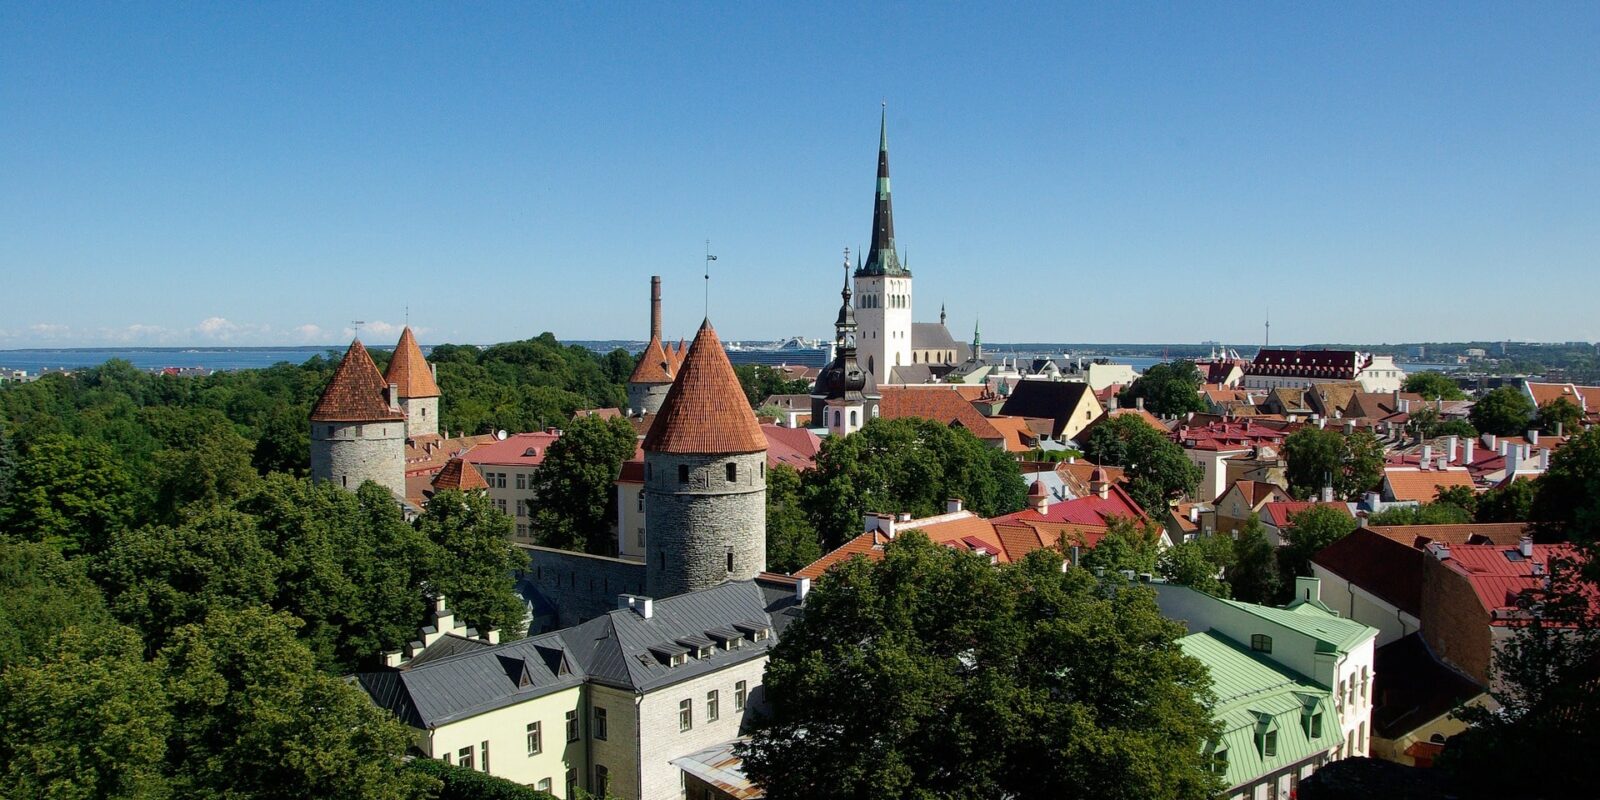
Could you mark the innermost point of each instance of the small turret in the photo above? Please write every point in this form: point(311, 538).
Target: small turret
point(418, 390)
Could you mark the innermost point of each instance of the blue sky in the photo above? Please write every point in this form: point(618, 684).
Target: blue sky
point(263, 174)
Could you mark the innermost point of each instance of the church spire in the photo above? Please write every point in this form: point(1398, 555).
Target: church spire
point(882, 259)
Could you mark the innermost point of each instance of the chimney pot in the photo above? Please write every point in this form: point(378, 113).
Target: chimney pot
point(1525, 545)
point(1533, 436)
point(952, 505)
point(802, 587)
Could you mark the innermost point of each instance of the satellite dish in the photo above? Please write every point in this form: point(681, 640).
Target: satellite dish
point(501, 434)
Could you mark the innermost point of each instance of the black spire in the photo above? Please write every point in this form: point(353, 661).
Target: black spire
point(844, 378)
point(881, 256)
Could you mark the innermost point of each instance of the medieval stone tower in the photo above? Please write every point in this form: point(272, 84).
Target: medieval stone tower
point(418, 391)
point(883, 284)
point(358, 430)
point(652, 376)
point(705, 478)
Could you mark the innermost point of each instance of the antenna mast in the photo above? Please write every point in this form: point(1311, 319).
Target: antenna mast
point(709, 258)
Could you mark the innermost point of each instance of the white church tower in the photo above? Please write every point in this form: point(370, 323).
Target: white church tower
point(883, 285)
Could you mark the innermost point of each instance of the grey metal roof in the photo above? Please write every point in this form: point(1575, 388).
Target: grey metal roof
point(931, 336)
point(614, 648)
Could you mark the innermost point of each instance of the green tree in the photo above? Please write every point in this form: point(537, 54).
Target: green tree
point(1505, 411)
point(1169, 389)
point(1353, 462)
point(1127, 545)
point(1568, 494)
point(1509, 503)
point(285, 442)
point(910, 465)
point(71, 492)
point(1426, 423)
point(1433, 386)
point(574, 484)
point(760, 382)
point(1310, 531)
point(474, 561)
point(1156, 466)
point(87, 720)
point(1199, 564)
point(41, 595)
point(1438, 513)
point(254, 718)
point(791, 541)
point(1559, 414)
point(8, 465)
point(1255, 577)
point(936, 674)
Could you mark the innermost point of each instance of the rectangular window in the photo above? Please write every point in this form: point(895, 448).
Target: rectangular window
point(500, 504)
point(572, 726)
point(641, 502)
point(483, 750)
point(522, 530)
point(543, 785)
point(1261, 642)
point(522, 509)
point(521, 481)
point(535, 739)
point(464, 757)
point(740, 690)
point(572, 784)
point(711, 706)
point(1269, 746)
point(599, 723)
point(602, 780)
point(685, 715)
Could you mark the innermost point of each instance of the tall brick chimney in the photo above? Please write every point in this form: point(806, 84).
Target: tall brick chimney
point(655, 306)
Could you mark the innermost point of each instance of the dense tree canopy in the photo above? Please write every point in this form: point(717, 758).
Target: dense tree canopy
point(792, 542)
point(1506, 411)
point(1255, 576)
point(1561, 415)
point(575, 484)
point(1568, 494)
point(1310, 531)
point(1169, 389)
point(908, 465)
point(1156, 466)
point(760, 381)
point(934, 673)
point(1352, 462)
point(1433, 386)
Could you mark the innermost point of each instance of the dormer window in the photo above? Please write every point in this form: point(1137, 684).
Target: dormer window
point(1267, 742)
point(1260, 642)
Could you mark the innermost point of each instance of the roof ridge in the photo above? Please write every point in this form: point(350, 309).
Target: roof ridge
point(705, 411)
point(357, 392)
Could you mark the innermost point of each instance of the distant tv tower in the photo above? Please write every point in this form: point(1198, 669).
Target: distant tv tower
point(1268, 342)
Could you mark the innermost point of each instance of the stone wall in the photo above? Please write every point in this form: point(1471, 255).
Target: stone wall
point(348, 453)
point(422, 415)
point(647, 397)
point(694, 526)
point(567, 588)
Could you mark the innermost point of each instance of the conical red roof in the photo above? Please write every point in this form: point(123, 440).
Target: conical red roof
point(705, 411)
point(409, 370)
point(357, 393)
point(654, 366)
point(458, 474)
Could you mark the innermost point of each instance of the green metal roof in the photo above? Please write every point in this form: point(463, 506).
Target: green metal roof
point(1334, 634)
point(1252, 695)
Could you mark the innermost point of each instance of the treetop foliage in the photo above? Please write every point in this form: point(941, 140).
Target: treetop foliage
point(1168, 390)
point(1156, 467)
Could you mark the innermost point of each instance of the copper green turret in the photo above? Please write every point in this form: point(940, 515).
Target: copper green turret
point(881, 256)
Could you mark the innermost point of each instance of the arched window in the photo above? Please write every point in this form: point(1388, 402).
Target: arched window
point(733, 472)
point(853, 422)
point(837, 420)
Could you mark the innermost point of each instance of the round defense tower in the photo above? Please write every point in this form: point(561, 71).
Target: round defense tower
point(652, 376)
point(705, 479)
point(358, 432)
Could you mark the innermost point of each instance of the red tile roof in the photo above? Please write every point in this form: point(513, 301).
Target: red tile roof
point(962, 529)
point(357, 392)
point(1380, 565)
point(1089, 510)
point(1280, 513)
point(1019, 436)
point(516, 450)
point(939, 403)
point(655, 365)
point(409, 370)
point(458, 474)
point(1328, 364)
point(705, 410)
point(1496, 577)
point(427, 454)
point(796, 447)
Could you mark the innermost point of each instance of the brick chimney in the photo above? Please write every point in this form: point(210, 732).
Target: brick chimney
point(655, 306)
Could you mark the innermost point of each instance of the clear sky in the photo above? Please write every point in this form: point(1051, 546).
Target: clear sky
point(265, 173)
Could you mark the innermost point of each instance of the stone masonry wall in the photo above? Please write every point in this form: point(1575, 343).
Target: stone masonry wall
point(348, 453)
point(579, 586)
point(647, 397)
point(422, 415)
point(693, 526)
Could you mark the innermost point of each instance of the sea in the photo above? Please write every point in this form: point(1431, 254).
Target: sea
point(37, 360)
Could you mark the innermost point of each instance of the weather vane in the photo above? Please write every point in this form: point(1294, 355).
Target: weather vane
point(709, 258)
point(357, 323)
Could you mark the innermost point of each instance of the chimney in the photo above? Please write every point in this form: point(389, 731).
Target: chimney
point(802, 587)
point(643, 606)
point(1440, 550)
point(904, 516)
point(1349, 427)
point(655, 306)
point(394, 395)
point(1111, 403)
point(1194, 515)
point(1308, 589)
point(1544, 460)
point(1444, 463)
point(1525, 544)
point(952, 506)
point(1453, 440)
point(1489, 440)
point(1427, 455)
point(1327, 492)
point(1558, 429)
point(434, 369)
point(394, 658)
point(1468, 445)
point(1372, 500)
point(1138, 402)
point(492, 636)
point(1513, 460)
point(1503, 447)
point(1533, 436)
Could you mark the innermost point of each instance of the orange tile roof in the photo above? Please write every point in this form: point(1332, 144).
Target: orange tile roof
point(1423, 485)
point(705, 410)
point(962, 529)
point(409, 370)
point(1500, 533)
point(1546, 393)
point(939, 403)
point(357, 392)
point(655, 365)
point(1019, 434)
point(458, 474)
point(427, 454)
